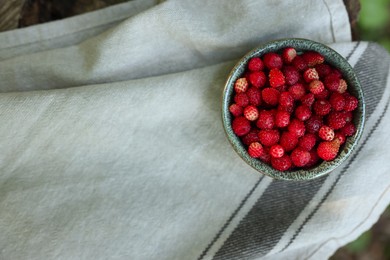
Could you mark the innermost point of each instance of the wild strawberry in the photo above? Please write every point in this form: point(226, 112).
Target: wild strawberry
point(297, 127)
point(276, 151)
point(281, 88)
point(236, 110)
point(326, 133)
point(288, 54)
point(288, 141)
point(313, 159)
point(307, 142)
point(269, 137)
point(351, 102)
point(251, 137)
point(241, 85)
point(349, 129)
point(276, 78)
point(308, 99)
point(313, 58)
point(272, 60)
point(254, 96)
point(313, 124)
point(255, 64)
point(270, 96)
point(299, 63)
point(337, 101)
point(322, 95)
point(257, 79)
point(241, 126)
point(241, 99)
point(282, 118)
point(316, 87)
point(342, 86)
point(321, 107)
point(303, 112)
point(323, 70)
point(255, 150)
point(251, 113)
point(281, 164)
point(336, 73)
point(300, 157)
point(310, 74)
point(340, 136)
point(286, 101)
point(336, 120)
point(291, 75)
point(297, 91)
point(328, 150)
point(266, 120)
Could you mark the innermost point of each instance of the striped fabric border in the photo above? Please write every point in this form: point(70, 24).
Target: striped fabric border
point(255, 235)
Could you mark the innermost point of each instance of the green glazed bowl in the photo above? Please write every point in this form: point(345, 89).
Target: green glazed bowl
point(354, 87)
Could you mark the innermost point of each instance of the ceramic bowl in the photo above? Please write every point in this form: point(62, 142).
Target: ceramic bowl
point(354, 87)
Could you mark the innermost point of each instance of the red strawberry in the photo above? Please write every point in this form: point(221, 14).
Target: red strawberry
point(297, 91)
point(288, 54)
point(300, 157)
point(313, 124)
point(297, 127)
point(313, 58)
point(322, 95)
point(308, 99)
point(316, 87)
point(257, 79)
point(255, 150)
point(276, 151)
point(272, 60)
point(241, 126)
point(303, 112)
point(332, 82)
point(337, 101)
point(251, 137)
point(291, 75)
point(340, 136)
point(348, 116)
point(286, 102)
point(351, 102)
point(281, 164)
point(349, 129)
point(313, 159)
point(265, 157)
point(241, 85)
point(236, 110)
point(323, 70)
point(299, 63)
point(241, 99)
point(336, 120)
point(254, 96)
point(270, 96)
point(282, 118)
point(307, 142)
point(266, 120)
point(328, 150)
point(276, 78)
point(310, 74)
point(288, 141)
point(255, 64)
point(269, 137)
point(326, 133)
point(251, 113)
point(322, 107)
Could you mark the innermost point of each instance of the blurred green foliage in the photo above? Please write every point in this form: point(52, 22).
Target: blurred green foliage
point(374, 21)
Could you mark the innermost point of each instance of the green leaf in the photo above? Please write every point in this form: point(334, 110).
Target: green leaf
point(360, 244)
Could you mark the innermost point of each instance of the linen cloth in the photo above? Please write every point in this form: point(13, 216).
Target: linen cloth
point(112, 145)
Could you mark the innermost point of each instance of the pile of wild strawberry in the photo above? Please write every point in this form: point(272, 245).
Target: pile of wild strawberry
point(292, 111)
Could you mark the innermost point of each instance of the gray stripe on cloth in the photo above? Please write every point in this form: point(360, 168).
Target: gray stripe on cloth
point(252, 237)
point(373, 76)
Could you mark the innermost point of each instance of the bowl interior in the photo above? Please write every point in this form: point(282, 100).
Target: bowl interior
point(331, 57)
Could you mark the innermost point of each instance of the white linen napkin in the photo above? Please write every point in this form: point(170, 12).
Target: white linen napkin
point(112, 145)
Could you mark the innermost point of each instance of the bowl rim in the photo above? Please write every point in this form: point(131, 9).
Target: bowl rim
point(331, 57)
